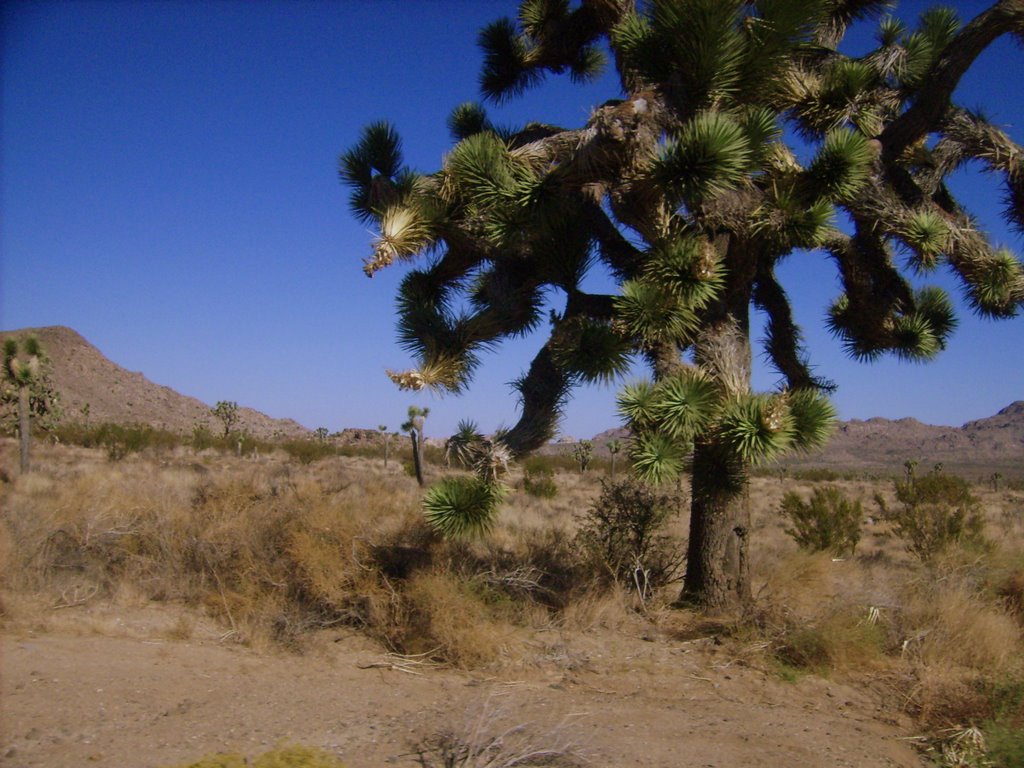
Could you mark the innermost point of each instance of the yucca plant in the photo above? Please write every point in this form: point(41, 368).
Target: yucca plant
point(463, 507)
point(460, 448)
point(688, 190)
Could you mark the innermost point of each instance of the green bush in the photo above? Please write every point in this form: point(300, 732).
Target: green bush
point(623, 535)
point(934, 512)
point(828, 522)
point(118, 440)
point(308, 451)
point(539, 478)
point(1005, 745)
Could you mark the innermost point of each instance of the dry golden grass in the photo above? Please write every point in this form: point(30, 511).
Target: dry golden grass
point(268, 551)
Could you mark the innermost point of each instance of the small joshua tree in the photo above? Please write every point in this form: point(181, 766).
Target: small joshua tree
point(321, 434)
point(583, 452)
point(414, 426)
point(227, 412)
point(614, 446)
point(26, 382)
point(383, 429)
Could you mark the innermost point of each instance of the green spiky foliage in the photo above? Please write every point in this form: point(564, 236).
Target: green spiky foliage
point(460, 448)
point(27, 394)
point(686, 188)
point(462, 507)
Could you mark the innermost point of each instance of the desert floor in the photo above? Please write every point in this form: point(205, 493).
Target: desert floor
point(114, 689)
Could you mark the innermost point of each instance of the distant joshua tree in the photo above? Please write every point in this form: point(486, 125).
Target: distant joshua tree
point(614, 446)
point(414, 426)
point(321, 434)
point(383, 429)
point(26, 382)
point(583, 452)
point(227, 412)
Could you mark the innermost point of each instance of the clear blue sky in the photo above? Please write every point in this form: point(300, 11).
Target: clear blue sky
point(169, 190)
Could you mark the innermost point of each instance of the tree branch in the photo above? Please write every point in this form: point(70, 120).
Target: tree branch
point(933, 98)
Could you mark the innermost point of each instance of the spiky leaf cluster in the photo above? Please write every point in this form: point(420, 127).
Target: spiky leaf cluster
point(462, 507)
point(667, 417)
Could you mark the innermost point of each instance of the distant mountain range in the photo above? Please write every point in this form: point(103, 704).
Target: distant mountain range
point(83, 375)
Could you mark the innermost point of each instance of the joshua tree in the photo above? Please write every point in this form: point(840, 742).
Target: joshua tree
point(414, 426)
point(25, 381)
point(321, 434)
point(383, 429)
point(227, 412)
point(583, 452)
point(686, 189)
point(908, 469)
point(614, 446)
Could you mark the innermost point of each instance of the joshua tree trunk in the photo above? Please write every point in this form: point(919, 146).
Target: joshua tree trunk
point(717, 571)
point(24, 426)
point(717, 566)
point(417, 455)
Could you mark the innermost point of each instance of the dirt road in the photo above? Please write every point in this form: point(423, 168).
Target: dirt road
point(96, 700)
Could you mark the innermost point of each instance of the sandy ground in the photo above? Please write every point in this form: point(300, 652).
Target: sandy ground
point(98, 699)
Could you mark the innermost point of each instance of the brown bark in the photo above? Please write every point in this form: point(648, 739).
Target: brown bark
point(717, 564)
point(417, 455)
point(933, 98)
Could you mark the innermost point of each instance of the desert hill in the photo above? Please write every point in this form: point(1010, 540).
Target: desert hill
point(83, 375)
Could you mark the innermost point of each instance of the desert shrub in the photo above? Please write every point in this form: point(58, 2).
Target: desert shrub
point(1005, 745)
point(842, 640)
point(945, 622)
point(449, 620)
point(119, 440)
point(539, 477)
point(1010, 589)
point(282, 757)
point(828, 522)
point(486, 739)
point(623, 535)
point(308, 451)
point(934, 512)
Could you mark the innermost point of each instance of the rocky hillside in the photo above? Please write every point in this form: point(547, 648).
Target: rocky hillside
point(84, 376)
